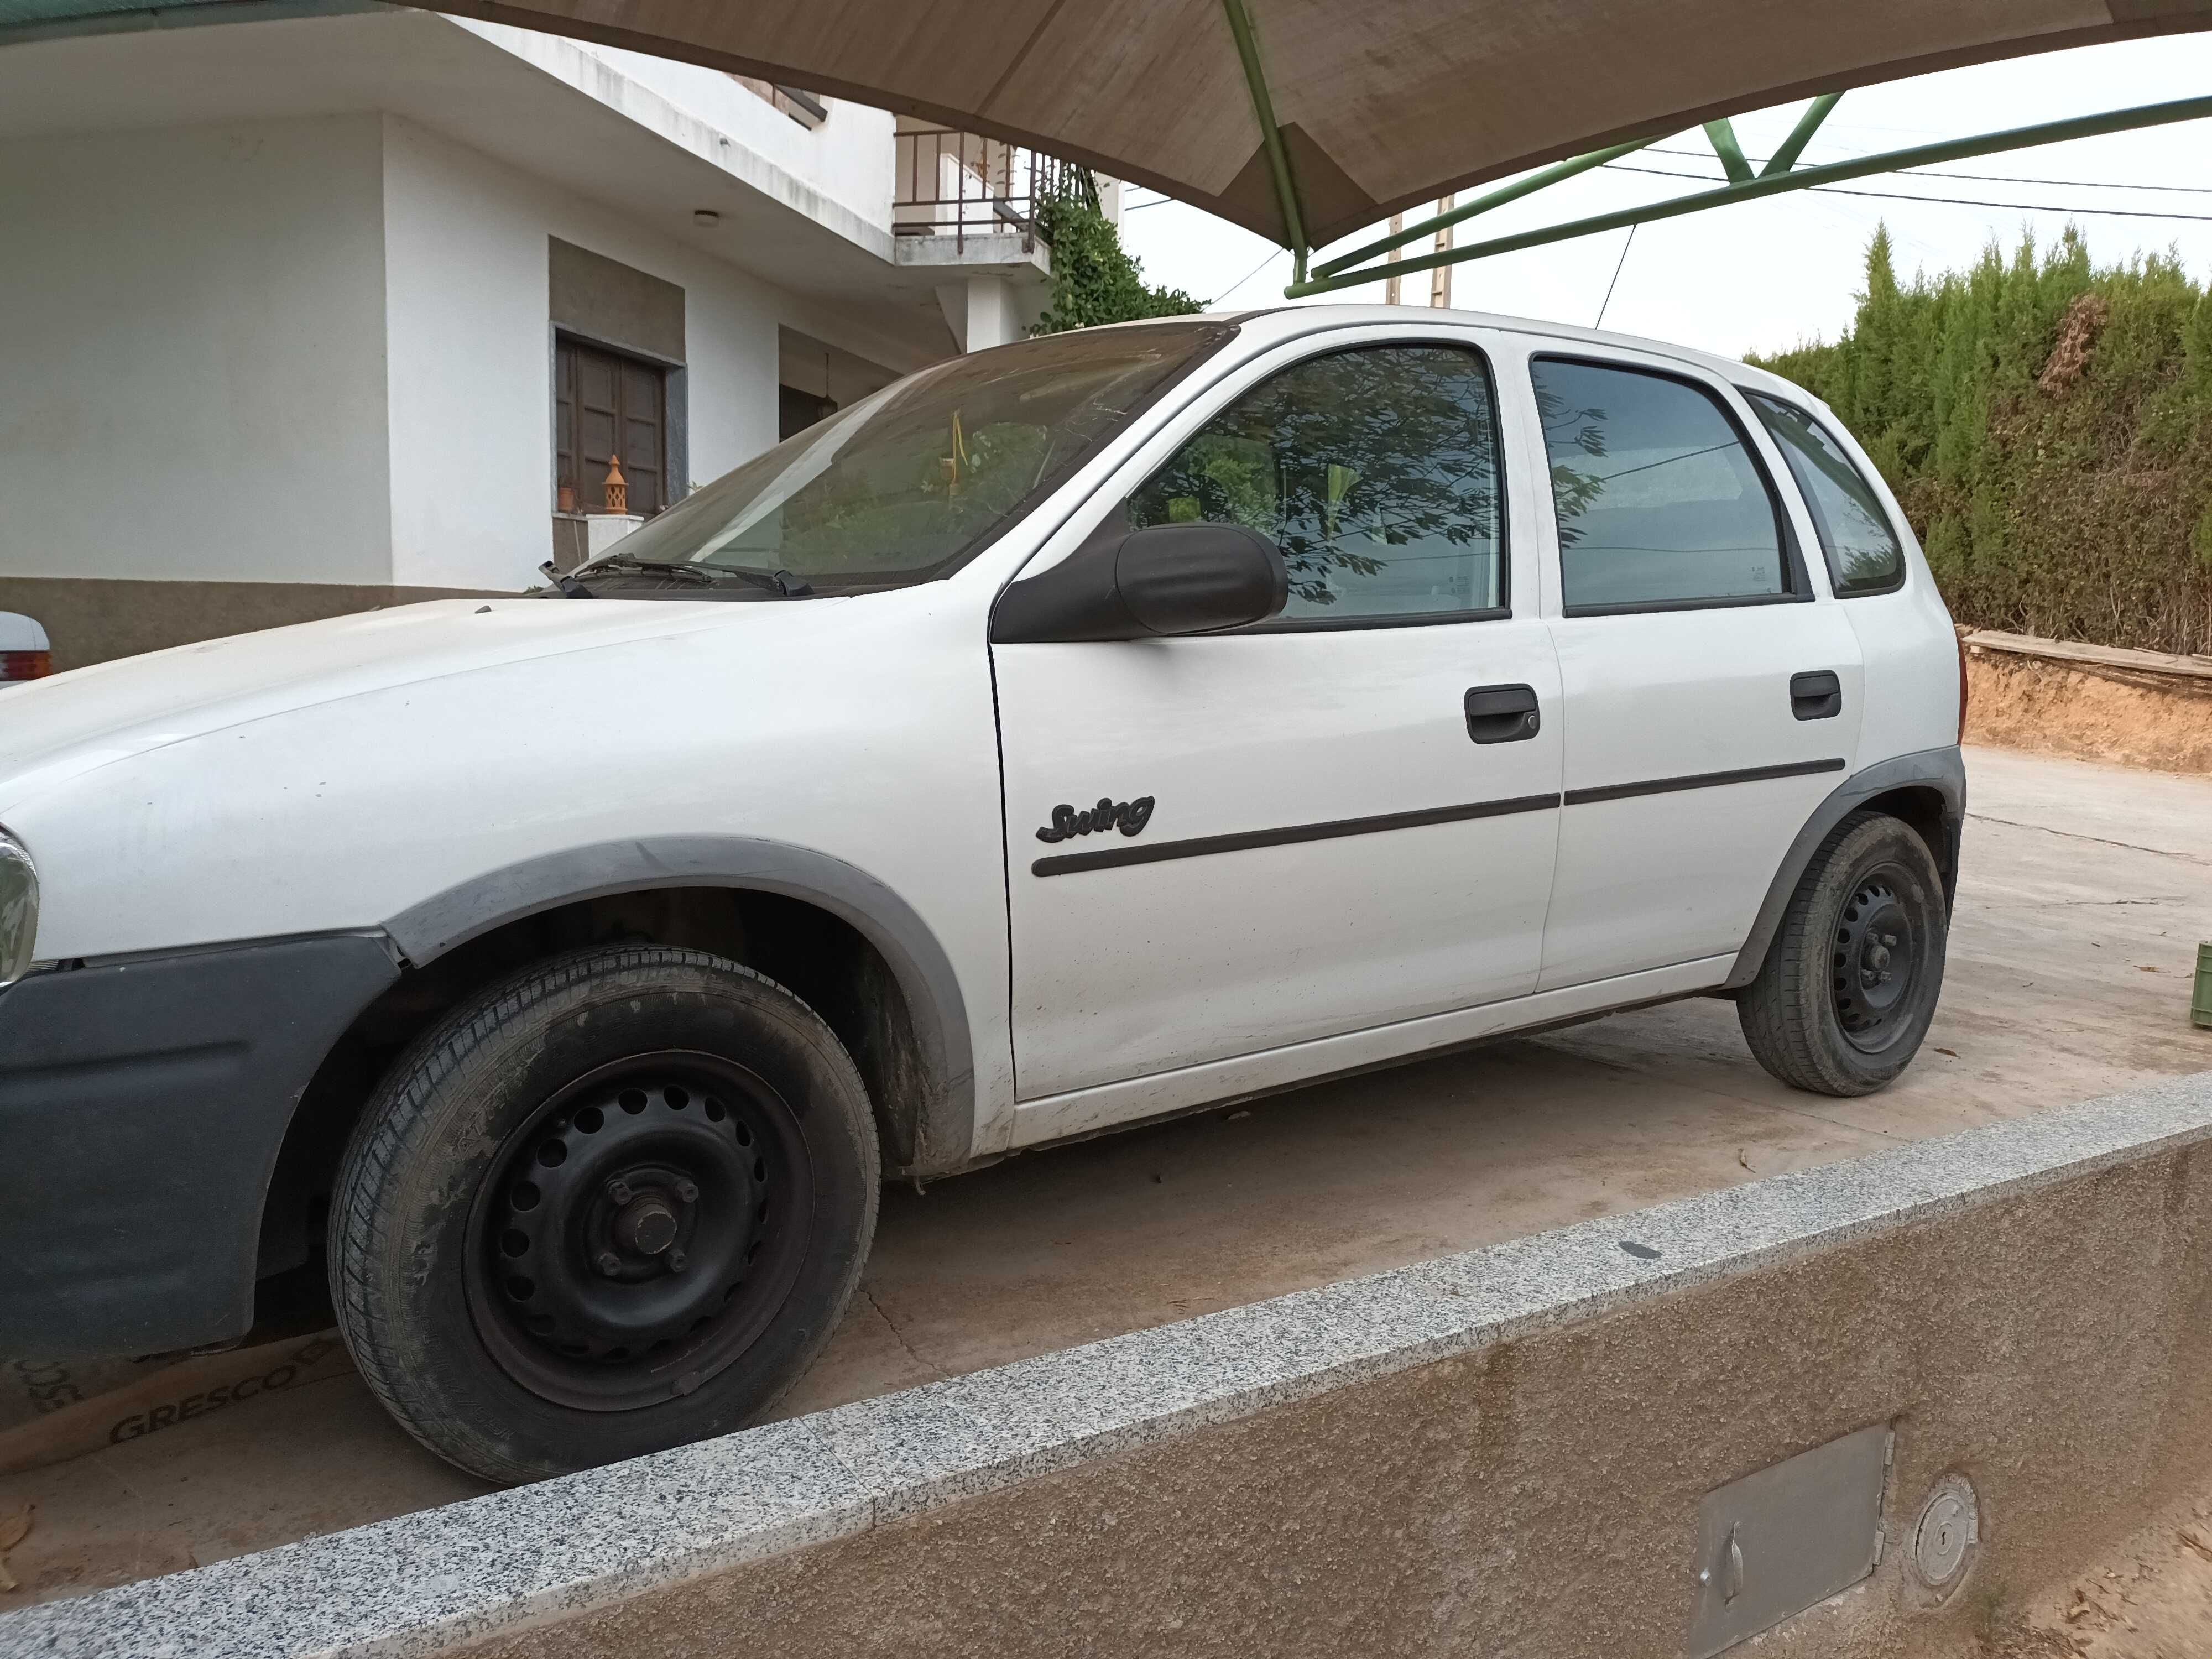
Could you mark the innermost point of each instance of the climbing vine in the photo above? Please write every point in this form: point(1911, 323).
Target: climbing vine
point(1094, 280)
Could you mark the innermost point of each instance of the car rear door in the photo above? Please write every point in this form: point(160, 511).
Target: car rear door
point(1344, 818)
point(1712, 691)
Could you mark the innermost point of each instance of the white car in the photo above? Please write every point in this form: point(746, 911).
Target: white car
point(1073, 734)
point(25, 653)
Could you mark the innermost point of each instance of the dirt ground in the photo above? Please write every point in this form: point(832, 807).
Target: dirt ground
point(2150, 1599)
point(2153, 720)
point(2084, 892)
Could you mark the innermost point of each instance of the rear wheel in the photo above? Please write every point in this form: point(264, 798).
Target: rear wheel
point(614, 1204)
point(1851, 982)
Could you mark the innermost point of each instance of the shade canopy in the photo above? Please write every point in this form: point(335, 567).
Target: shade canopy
point(1381, 104)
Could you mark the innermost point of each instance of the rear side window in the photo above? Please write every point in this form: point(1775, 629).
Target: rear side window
point(1660, 500)
point(1862, 550)
point(1374, 470)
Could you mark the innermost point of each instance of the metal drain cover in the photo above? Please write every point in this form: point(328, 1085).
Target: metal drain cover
point(1949, 1526)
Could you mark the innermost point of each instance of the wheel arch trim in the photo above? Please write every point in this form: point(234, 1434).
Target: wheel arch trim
point(1943, 770)
point(944, 1130)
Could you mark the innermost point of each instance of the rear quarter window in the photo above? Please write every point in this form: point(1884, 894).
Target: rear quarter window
point(1857, 537)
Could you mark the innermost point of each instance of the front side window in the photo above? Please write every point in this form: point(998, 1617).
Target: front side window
point(1374, 470)
point(1862, 551)
point(908, 484)
point(1659, 500)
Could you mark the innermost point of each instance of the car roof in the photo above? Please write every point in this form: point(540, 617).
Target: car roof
point(1285, 322)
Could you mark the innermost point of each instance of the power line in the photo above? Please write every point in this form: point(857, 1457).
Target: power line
point(1615, 283)
point(1978, 178)
point(1946, 201)
point(1248, 276)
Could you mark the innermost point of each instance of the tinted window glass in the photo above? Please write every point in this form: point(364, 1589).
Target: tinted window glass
point(1658, 499)
point(1375, 471)
point(908, 484)
point(1862, 550)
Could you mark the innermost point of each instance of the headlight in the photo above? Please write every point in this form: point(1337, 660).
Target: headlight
point(19, 909)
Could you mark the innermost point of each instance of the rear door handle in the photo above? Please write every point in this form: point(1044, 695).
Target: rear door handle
point(1502, 714)
point(1817, 695)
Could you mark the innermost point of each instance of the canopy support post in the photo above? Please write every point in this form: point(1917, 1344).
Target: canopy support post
point(1271, 136)
point(1401, 236)
point(1800, 135)
point(1333, 276)
point(1721, 135)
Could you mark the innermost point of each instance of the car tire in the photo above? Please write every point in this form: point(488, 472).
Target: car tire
point(1850, 982)
point(615, 1203)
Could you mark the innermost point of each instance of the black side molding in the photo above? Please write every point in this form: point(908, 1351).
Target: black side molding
point(1699, 781)
point(1064, 864)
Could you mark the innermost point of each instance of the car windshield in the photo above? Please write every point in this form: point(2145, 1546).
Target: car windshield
point(913, 481)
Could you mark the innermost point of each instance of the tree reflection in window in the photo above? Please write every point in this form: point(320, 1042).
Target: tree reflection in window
point(1375, 470)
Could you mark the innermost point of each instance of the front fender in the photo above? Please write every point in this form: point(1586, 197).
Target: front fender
point(945, 1128)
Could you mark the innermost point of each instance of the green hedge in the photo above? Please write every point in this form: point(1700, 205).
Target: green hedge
point(2048, 427)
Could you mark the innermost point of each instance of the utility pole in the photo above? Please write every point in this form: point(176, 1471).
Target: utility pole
point(1390, 283)
point(1440, 278)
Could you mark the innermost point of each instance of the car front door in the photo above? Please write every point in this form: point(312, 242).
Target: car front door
point(1338, 819)
point(1712, 695)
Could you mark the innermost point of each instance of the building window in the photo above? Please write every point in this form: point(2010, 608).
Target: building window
point(607, 407)
point(796, 410)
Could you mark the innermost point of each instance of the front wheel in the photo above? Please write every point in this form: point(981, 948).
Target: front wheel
point(614, 1204)
point(1850, 984)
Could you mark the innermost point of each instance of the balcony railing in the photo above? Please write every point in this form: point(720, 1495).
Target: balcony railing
point(961, 186)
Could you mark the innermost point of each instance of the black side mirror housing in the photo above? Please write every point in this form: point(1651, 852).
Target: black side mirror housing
point(1147, 584)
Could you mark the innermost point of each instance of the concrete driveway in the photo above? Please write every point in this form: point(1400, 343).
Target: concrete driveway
point(2084, 892)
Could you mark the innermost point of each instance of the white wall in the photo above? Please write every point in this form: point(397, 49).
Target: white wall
point(192, 354)
point(848, 158)
point(470, 352)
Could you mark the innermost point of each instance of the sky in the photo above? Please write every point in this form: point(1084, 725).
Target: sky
point(1765, 275)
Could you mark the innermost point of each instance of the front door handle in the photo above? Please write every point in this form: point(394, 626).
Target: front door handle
point(1817, 695)
point(1502, 714)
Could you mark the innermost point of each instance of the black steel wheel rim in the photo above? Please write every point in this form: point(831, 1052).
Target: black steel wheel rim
point(1874, 963)
point(639, 1230)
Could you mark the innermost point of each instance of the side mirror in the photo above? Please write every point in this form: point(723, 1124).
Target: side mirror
point(1144, 584)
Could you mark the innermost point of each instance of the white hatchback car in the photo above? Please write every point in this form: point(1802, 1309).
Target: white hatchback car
point(1073, 734)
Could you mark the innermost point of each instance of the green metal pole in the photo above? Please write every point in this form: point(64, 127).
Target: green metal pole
point(1271, 136)
point(1512, 192)
point(1800, 135)
point(1955, 149)
point(1722, 135)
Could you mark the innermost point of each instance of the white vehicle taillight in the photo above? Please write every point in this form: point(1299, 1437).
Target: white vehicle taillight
point(25, 665)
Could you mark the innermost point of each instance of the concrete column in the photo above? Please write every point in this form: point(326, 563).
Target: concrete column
point(993, 318)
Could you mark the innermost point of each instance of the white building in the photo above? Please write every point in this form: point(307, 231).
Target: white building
point(318, 311)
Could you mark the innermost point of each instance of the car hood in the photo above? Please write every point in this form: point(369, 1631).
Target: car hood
point(59, 728)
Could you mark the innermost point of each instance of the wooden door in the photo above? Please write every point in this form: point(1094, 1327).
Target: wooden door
point(606, 406)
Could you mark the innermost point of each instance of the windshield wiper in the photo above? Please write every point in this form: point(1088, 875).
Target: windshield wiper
point(781, 583)
point(655, 567)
